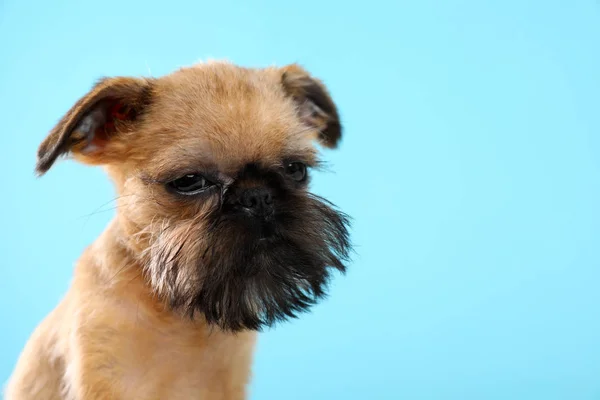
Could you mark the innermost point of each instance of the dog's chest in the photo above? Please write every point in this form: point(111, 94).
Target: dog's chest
point(148, 354)
point(169, 363)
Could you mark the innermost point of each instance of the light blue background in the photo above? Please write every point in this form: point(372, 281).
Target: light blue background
point(470, 164)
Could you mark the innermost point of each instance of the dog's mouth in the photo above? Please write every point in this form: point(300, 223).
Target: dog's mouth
point(275, 274)
point(253, 275)
point(265, 230)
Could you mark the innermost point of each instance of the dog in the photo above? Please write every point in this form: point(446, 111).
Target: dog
point(215, 238)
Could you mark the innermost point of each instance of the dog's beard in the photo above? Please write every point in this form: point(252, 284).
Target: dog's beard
point(220, 267)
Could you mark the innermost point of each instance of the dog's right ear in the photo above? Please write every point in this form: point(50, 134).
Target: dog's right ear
point(91, 130)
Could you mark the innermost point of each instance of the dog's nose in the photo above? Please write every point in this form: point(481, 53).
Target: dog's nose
point(259, 201)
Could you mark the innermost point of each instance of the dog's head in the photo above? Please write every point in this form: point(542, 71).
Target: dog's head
point(212, 165)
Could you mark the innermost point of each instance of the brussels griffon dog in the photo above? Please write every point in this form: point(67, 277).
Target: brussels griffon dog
point(215, 237)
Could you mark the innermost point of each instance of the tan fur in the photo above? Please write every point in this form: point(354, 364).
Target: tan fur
point(153, 353)
point(113, 336)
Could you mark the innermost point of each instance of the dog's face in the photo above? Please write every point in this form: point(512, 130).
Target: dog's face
point(212, 165)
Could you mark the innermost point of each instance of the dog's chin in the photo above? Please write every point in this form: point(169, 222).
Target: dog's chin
point(277, 281)
point(250, 280)
point(269, 279)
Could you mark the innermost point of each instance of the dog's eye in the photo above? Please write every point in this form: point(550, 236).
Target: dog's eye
point(190, 184)
point(296, 171)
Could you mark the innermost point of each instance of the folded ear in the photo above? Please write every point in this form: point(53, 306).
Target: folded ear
point(315, 106)
point(90, 129)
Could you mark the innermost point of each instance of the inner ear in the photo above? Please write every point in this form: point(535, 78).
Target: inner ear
point(100, 124)
point(90, 128)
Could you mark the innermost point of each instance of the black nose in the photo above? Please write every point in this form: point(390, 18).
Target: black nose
point(257, 201)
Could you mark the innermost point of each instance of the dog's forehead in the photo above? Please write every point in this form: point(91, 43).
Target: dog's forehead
point(227, 116)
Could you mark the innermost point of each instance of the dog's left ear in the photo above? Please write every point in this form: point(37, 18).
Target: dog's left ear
point(315, 106)
point(94, 129)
